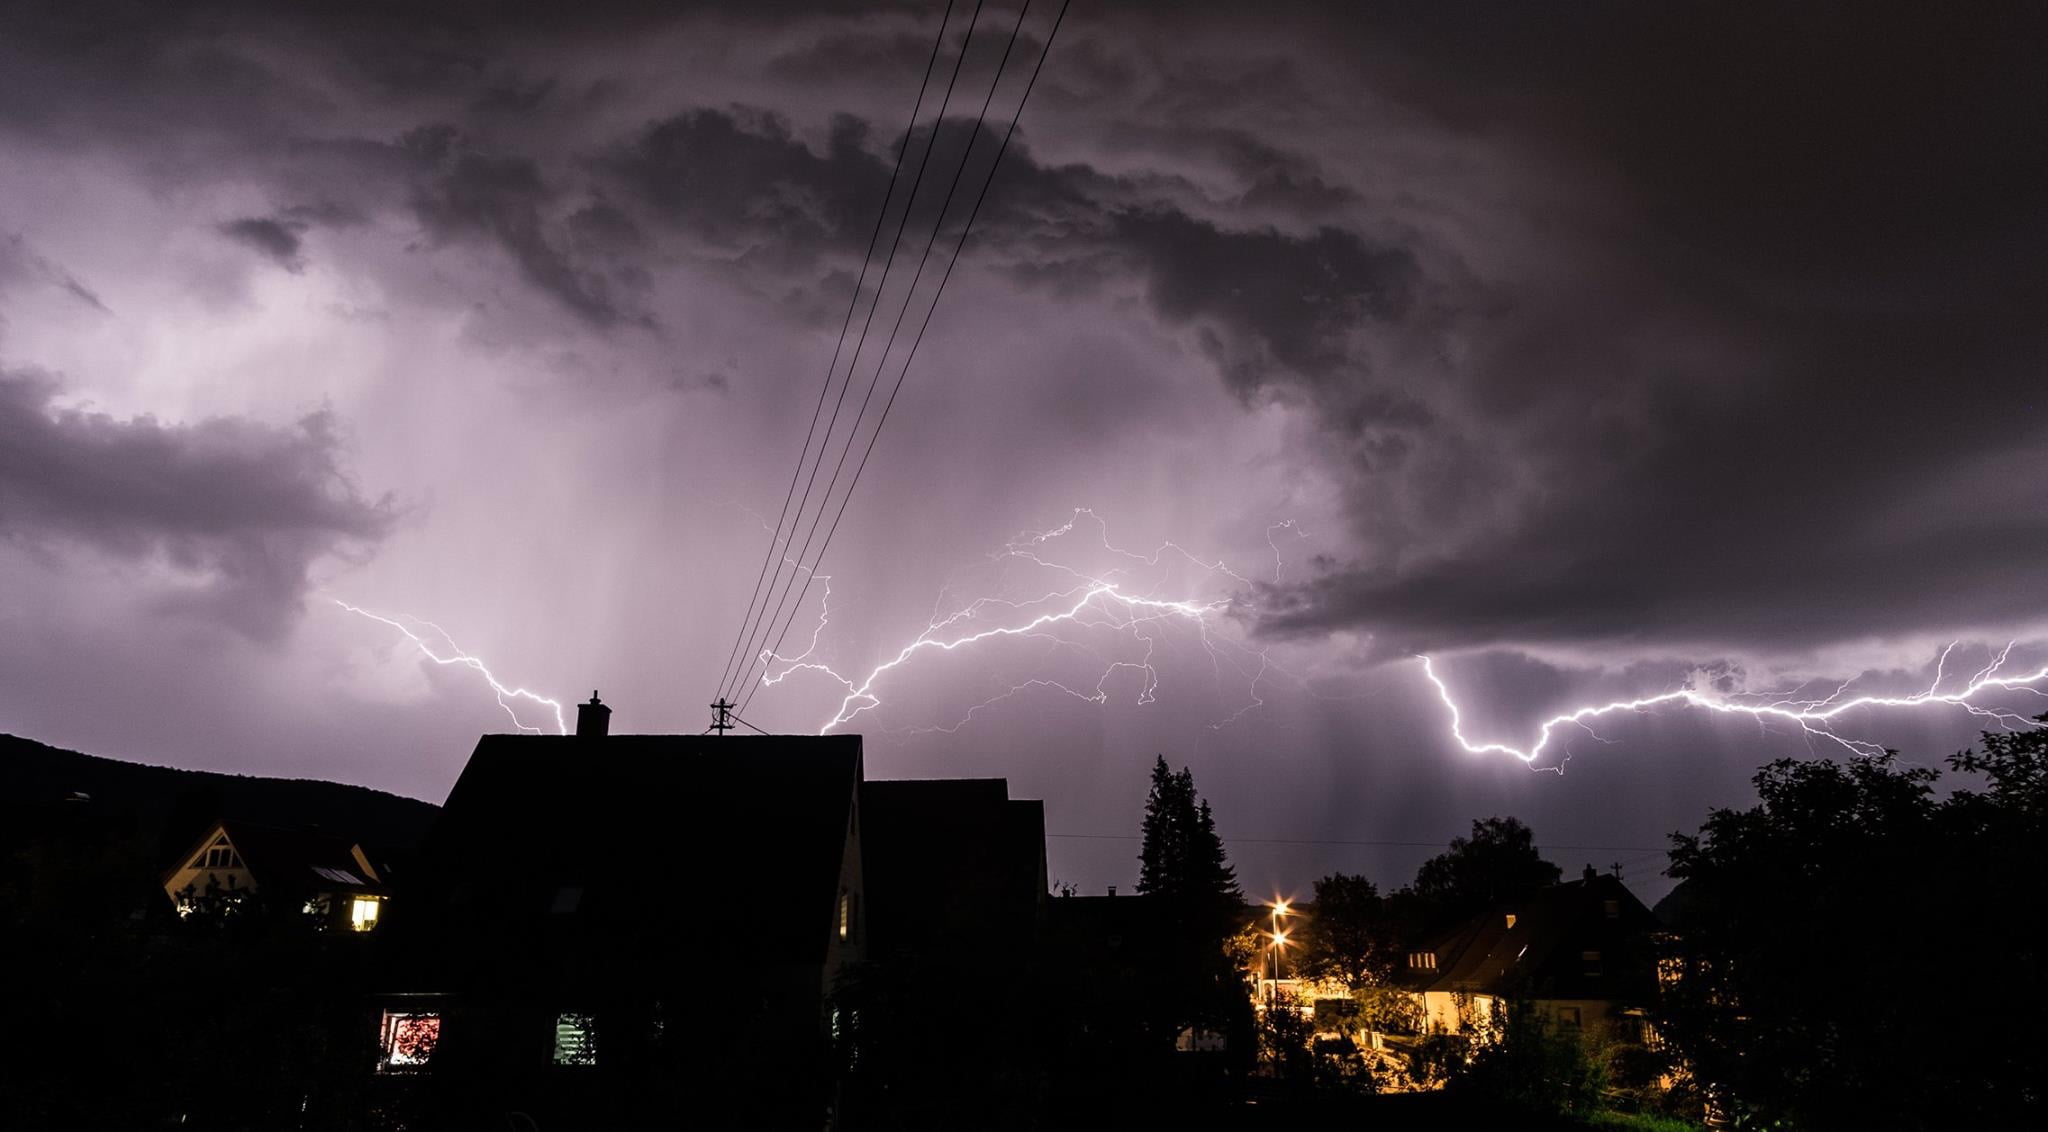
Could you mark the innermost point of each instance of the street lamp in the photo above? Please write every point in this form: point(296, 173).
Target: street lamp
point(1279, 941)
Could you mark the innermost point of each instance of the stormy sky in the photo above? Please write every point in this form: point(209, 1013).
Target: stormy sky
point(1595, 350)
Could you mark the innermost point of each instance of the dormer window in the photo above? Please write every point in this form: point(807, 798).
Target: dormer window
point(219, 855)
point(362, 912)
point(1422, 960)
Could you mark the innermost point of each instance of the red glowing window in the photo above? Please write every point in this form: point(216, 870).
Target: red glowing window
point(408, 1042)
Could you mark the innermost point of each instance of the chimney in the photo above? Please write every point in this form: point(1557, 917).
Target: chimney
point(1112, 890)
point(594, 719)
point(1591, 874)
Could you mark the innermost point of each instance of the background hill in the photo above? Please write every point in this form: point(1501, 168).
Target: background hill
point(74, 821)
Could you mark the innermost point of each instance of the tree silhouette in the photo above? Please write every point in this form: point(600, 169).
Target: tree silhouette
point(1181, 858)
point(1497, 863)
point(1354, 936)
point(1811, 923)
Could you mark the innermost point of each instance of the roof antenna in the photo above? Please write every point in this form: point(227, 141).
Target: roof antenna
point(722, 717)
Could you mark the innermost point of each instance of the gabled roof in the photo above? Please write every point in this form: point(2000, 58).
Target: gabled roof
point(1543, 953)
point(293, 860)
point(564, 845)
point(950, 863)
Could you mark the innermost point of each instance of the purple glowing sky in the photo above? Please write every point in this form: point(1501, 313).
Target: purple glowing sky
point(1586, 349)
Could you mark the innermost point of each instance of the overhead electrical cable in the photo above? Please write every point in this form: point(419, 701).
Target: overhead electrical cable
point(958, 246)
point(754, 653)
point(751, 654)
point(762, 656)
point(853, 303)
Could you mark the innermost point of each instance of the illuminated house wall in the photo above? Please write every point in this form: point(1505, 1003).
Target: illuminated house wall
point(325, 879)
point(1579, 953)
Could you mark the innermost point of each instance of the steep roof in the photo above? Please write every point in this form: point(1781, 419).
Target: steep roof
point(566, 846)
point(1543, 952)
point(292, 860)
point(950, 863)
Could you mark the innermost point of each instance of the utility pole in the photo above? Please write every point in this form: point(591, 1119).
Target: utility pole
point(721, 719)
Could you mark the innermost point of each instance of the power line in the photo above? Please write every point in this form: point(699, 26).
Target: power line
point(853, 303)
point(758, 656)
point(751, 655)
point(958, 245)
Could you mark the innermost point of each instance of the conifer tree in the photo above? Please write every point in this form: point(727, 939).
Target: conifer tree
point(1181, 856)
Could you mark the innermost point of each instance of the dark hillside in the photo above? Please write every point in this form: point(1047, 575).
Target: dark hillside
point(109, 827)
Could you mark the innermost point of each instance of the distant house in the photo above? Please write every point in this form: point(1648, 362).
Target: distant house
point(609, 928)
point(1580, 953)
point(236, 865)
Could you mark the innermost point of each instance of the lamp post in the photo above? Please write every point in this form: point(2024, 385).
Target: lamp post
point(1279, 941)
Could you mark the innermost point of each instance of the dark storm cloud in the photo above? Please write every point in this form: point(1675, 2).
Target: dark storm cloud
point(1761, 372)
point(741, 179)
point(1789, 397)
point(503, 199)
point(1262, 297)
point(276, 239)
point(1281, 301)
point(246, 507)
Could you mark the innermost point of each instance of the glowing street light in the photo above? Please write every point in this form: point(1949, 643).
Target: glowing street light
point(1280, 908)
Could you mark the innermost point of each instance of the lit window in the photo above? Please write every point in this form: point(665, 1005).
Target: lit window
point(575, 1040)
point(409, 1041)
point(849, 914)
point(1568, 1017)
point(1422, 960)
point(362, 913)
point(1511, 921)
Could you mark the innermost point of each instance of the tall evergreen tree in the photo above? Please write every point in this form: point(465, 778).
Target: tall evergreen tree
point(1181, 856)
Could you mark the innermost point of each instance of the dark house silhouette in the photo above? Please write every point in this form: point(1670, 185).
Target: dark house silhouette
point(1581, 953)
point(955, 869)
point(947, 1009)
point(610, 929)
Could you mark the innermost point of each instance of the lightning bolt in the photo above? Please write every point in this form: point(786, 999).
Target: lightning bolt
point(1122, 602)
point(1111, 601)
point(456, 656)
point(1813, 717)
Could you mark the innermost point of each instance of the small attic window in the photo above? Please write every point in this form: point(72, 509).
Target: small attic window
point(219, 855)
point(1422, 960)
point(1511, 921)
point(1612, 908)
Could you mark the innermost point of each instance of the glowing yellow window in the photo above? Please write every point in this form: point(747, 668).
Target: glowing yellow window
point(362, 913)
